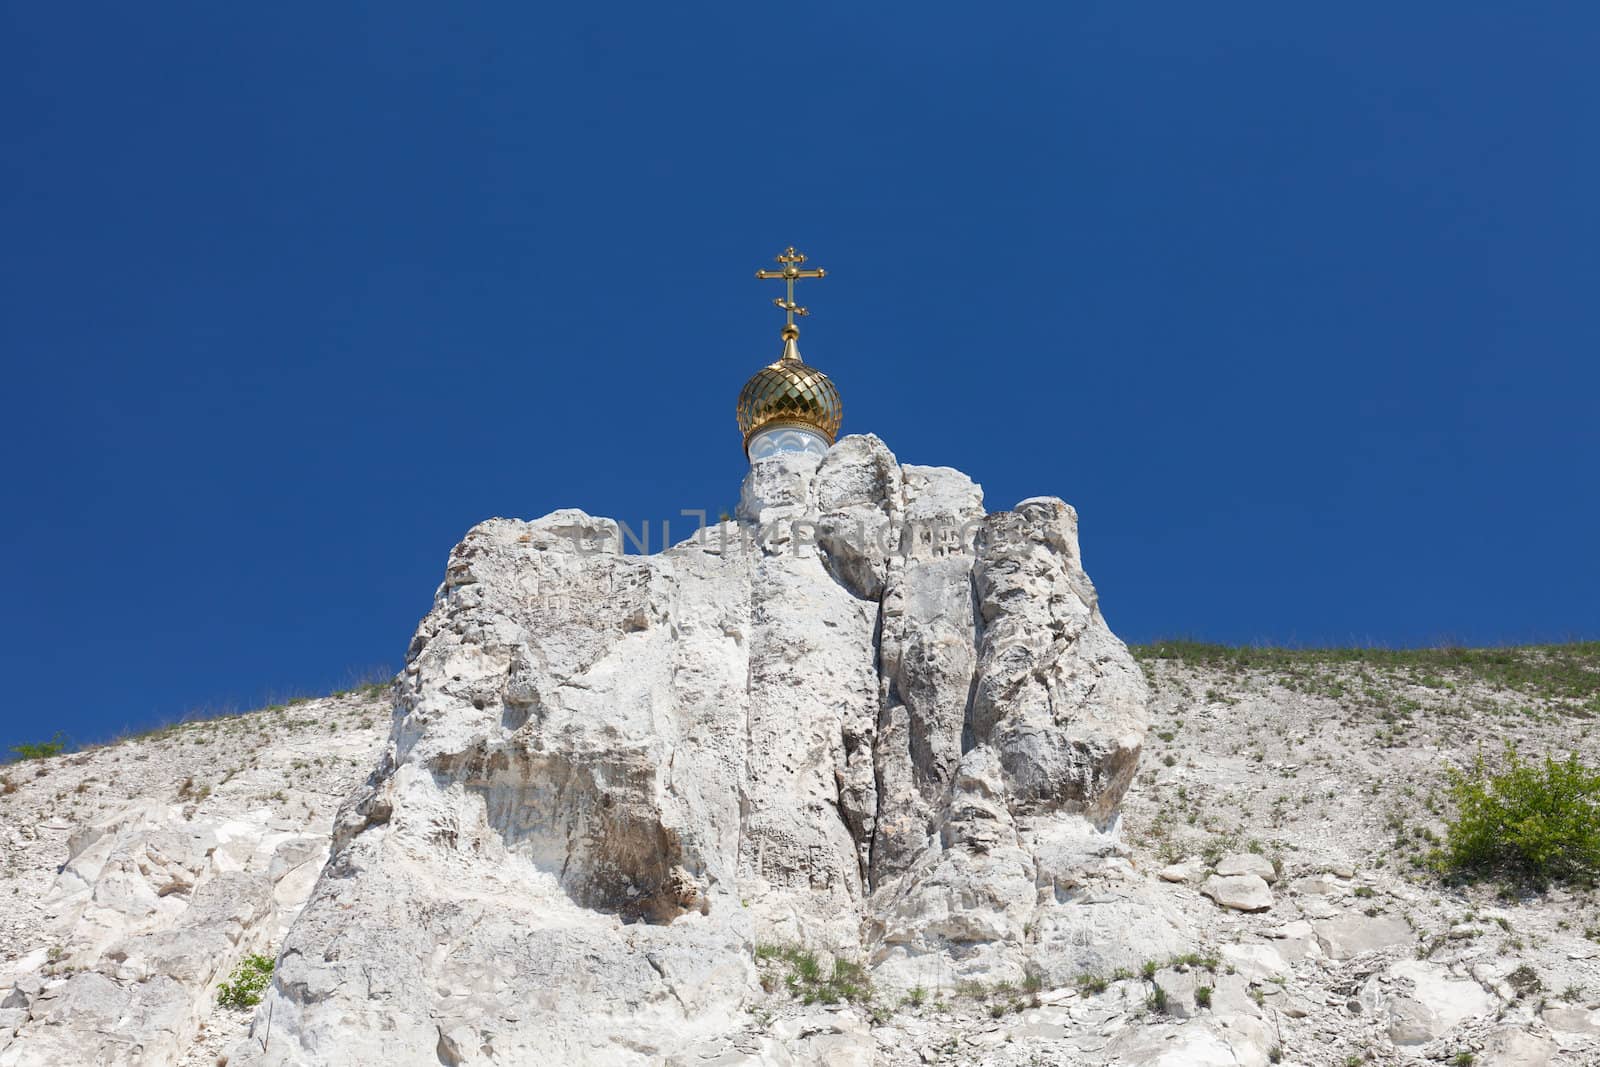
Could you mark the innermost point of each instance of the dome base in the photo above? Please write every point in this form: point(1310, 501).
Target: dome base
point(786, 439)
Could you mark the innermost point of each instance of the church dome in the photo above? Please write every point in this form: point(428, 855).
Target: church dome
point(789, 394)
point(787, 406)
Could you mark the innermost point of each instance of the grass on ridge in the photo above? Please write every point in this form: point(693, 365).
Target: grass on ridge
point(1567, 671)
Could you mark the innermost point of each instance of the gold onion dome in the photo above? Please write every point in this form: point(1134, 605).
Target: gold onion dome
point(788, 393)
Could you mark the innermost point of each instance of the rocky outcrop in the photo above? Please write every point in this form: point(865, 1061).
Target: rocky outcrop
point(866, 717)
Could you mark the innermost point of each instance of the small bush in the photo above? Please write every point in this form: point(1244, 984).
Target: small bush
point(42, 749)
point(244, 987)
point(1202, 996)
point(1527, 821)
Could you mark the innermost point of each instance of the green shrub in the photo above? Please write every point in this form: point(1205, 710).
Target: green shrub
point(1526, 821)
point(244, 987)
point(42, 749)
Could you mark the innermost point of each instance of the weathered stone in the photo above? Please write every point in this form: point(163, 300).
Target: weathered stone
point(1570, 1019)
point(1116, 926)
point(1234, 1041)
point(1511, 1047)
point(1248, 863)
point(1056, 694)
point(1181, 873)
point(1256, 962)
point(1242, 892)
point(1351, 934)
point(1231, 995)
point(1179, 987)
point(1422, 1000)
point(1316, 885)
point(860, 501)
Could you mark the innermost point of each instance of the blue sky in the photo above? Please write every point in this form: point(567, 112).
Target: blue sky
point(1296, 305)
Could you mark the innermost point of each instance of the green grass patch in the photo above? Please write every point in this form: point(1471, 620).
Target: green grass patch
point(800, 972)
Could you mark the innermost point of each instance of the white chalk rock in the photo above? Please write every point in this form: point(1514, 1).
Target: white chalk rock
point(1242, 892)
point(867, 717)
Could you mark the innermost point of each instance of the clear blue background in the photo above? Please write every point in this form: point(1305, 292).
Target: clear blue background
point(1296, 304)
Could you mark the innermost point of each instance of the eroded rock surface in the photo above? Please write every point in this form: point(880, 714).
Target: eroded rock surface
point(867, 718)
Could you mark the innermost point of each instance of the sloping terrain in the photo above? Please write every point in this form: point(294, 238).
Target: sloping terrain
point(137, 874)
point(1331, 765)
point(1323, 773)
point(1319, 772)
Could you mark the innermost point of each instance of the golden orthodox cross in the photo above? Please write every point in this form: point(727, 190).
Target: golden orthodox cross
point(790, 274)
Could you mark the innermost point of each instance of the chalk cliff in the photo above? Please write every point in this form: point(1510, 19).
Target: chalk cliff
point(866, 717)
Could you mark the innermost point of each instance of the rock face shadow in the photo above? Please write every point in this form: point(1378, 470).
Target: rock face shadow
point(594, 826)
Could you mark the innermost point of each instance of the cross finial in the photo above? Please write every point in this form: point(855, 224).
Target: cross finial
point(790, 274)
